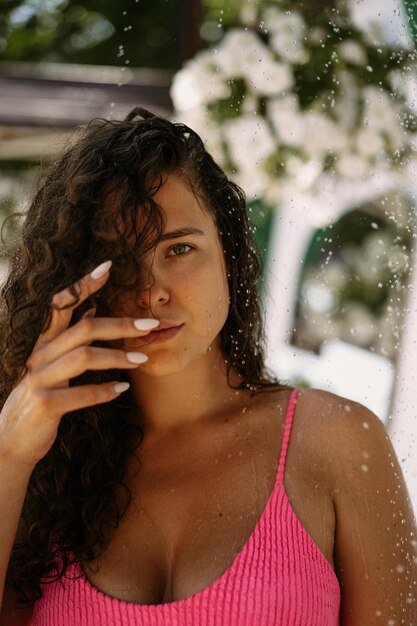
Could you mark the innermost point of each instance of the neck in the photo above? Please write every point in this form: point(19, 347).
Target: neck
point(180, 401)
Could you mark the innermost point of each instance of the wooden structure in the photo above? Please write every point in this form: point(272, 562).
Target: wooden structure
point(41, 102)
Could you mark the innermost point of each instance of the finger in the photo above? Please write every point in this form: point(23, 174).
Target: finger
point(84, 333)
point(73, 398)
point(61, 317)
point(90, 313)
point(78, 361)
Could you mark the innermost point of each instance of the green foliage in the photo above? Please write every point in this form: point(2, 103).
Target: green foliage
point(261, 216)
point(230, 107)
point(410, 7)
point(224, 13)
point(97, 32)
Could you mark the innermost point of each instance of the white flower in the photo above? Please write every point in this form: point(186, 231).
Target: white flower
point(379, 109)
point(304, 173)
point(287, 32)
point(272, 191)
point(307, 204)
point(255, 184)
point(322, 134)
point(352, 52)
point(317, 296)
point(289, 48)
point(198, 83)
point(287, 120)
point(410, 169)
point(249, 140)
point(239, 51)
point(381, 113)
point(335, 275)
point(347, 101)
point(270, 78)
point(351, 166)
point(249, 103)
point(360, 324)
point(316, 35)
point(398, 260)
point(362, 127)
point(405, 85)
point(369, 143)
point(294, 165)
point(313, 132)
point(367, 262)
point(242, 54)
point(385, 340)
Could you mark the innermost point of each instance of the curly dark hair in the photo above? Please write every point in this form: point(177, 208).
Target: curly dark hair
point(71, 506)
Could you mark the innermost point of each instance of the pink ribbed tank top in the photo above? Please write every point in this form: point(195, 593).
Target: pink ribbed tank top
point(279, 578)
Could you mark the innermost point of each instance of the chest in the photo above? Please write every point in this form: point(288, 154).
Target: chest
point(193, 512)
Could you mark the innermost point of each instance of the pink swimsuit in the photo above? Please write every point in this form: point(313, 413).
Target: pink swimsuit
point(279, 578)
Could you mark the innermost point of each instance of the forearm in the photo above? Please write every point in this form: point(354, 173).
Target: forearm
point(14, 479)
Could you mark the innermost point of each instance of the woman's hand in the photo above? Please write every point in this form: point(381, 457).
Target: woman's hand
point(31, 414)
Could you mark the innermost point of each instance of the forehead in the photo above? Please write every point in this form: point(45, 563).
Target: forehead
point(181, 207)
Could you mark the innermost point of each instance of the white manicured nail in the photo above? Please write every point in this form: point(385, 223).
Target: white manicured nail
point(120, 387)
point(101, 270)
point(136, 357)
point(146, 323)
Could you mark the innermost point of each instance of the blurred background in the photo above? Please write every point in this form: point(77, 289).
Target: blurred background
point(311, 107)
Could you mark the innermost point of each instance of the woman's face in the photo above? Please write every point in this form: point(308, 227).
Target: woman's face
point(183, 281)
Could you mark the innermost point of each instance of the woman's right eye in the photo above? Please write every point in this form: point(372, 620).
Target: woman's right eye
point(180, 245)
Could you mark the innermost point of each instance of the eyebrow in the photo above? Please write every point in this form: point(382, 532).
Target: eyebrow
point(181, 232)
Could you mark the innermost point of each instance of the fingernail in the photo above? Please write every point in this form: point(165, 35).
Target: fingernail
point(146, 323)
point(136, 357)
point(121, 387)
point(101, 270)
point(90, 313)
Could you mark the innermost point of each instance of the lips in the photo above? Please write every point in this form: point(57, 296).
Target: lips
point(158, 336)
point(163, 325)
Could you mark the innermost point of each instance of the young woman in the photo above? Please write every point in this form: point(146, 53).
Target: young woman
point(153, 472)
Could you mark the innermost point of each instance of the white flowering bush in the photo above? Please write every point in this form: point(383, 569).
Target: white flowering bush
point(353, 282)
point(297, 102)
point(294, 94)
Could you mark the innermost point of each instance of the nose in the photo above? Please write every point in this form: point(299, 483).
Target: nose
point(152, 290)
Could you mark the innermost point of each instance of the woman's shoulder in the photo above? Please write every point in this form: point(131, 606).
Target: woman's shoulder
point(344, 420)
point(329, 432)
point(370, 499)
point(320, 409)
point(329, 403)
point(331, 436)
point(350, 437)
point(336, 414)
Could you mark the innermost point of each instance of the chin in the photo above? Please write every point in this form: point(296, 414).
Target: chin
point(160, 364)
point(168, 362)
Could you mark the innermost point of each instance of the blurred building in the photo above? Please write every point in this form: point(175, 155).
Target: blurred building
point(41, 103)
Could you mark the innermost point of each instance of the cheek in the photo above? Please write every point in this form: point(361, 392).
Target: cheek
point(210, 293)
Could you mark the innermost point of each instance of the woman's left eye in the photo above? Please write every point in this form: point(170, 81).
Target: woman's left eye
point(180, 246)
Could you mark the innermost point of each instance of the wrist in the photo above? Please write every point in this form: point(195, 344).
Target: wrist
point(11, 464)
